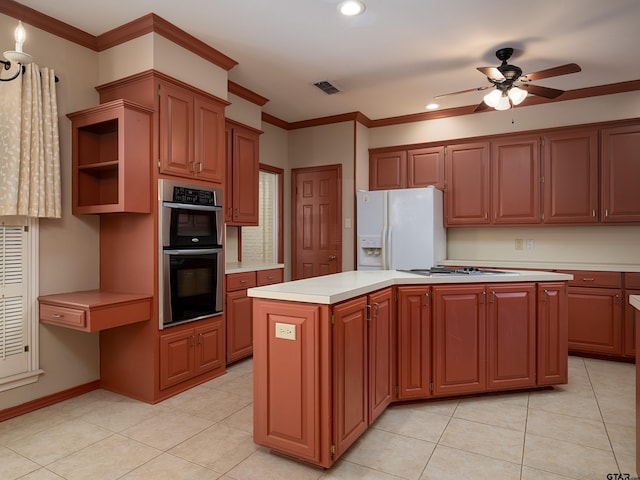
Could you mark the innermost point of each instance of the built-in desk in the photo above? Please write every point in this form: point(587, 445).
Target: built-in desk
point(94, 310)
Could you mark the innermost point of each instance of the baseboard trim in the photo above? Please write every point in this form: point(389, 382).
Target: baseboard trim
point(54, 398)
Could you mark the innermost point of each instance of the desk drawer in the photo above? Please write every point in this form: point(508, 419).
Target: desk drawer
point(63, 316)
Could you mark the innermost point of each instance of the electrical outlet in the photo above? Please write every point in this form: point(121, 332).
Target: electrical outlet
point(529, 244)
point(285, 331)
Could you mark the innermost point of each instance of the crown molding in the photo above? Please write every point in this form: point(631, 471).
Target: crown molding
point(245, 93)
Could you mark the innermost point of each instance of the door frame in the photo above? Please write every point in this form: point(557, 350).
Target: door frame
point(294, 220)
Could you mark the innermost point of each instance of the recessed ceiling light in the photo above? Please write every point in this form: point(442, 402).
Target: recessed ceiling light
point(432, 106)
point(351, 8)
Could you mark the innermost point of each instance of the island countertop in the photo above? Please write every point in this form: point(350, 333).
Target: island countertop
point(332, 289)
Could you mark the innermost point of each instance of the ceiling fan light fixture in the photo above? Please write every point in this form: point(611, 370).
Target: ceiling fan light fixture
point(517, 95)
point(492, 98)
point(503, 103)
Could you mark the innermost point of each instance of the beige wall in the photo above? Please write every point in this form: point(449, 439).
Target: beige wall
point(69, 247)
point(328, 145)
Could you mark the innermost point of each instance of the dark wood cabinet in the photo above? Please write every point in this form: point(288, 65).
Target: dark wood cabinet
point(595, 312)
point(412, 168)
point(459, 339)
point(350, 372)
point(552, 334)
point(191, 134)
point(243, 168)
point(414, 342)
point(511, 336)
point(189, 352)
point(620, 171)
point(111, 158)
point(467, 198)
point(570, 175)
point(515, 180)
point(238, 310)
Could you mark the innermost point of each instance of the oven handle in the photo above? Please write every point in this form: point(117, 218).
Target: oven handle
point(192, 251)
point(188, 206)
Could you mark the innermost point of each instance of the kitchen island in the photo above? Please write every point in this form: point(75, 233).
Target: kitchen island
point(332, 352)
point(634, 300)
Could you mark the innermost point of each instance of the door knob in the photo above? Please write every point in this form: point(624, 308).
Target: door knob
point(332, 257)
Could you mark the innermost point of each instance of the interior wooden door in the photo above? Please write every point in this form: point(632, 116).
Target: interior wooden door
point(316, 221)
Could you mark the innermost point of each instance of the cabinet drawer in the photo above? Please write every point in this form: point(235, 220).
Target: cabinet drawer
point(585, 278)
point(238, 281)
point(267, 277)
point(632, 280)
point(63, 316)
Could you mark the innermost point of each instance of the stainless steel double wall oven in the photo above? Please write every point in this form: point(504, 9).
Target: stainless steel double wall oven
point(191, 263)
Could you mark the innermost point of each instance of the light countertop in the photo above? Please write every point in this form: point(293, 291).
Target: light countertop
point(240, 267)
point(544, 265)
point(635, 301)
point(331, 289)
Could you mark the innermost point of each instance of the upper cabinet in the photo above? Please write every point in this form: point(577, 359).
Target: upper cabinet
point(571, 176)
point(111, 158)
point(620, 171)
point(515, 180)
point(467, 191)
point(188, 124)
point(243, 169)
point(412, 168)
point(191, 134)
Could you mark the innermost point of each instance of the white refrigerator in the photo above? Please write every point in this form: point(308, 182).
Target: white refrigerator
point(400, 229)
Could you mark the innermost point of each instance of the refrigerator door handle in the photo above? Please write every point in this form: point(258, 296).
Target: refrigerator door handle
point(387, 261)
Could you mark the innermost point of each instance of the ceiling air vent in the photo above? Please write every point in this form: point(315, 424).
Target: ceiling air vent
point(327, 87)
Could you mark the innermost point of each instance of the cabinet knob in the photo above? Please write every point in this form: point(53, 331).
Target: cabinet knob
point(332, 257)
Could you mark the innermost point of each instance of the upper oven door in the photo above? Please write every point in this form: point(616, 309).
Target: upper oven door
point(185, 225)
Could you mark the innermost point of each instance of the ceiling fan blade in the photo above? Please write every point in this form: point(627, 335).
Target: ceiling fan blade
point(481, 107)
point(545, 92)
point(463, 91)
point(552, 72)
point(493, 73)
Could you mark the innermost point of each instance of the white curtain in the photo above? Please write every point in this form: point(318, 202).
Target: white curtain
point(29, 145)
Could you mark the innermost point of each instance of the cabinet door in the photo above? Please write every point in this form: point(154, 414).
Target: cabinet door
point(176, 357)
point(350, 397)
point(467, 194)
point(210, 352)
point(459, 339)
point(620, 171)
point(239, 326)
point(388, 170)
point(176, 131)
point(595, 320)
point(515, 171)
point(382, 352)
point(552, 334)
point(414, 342)
point(571, 177)
point(425, 167)
point(208, 140)
point(511, 336)
point(243, 163)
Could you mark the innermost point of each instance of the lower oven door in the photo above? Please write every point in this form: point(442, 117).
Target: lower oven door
point(191, 285)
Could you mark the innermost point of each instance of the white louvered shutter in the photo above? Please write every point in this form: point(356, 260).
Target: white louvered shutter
point(13, 319)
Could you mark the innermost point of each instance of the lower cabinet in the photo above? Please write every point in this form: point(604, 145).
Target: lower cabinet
point(552, 334)
point(238, 309)
point(188, 352)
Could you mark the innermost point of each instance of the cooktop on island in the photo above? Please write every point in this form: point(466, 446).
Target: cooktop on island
point(442, 271)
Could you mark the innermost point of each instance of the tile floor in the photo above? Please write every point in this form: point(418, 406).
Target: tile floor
point(584, 430)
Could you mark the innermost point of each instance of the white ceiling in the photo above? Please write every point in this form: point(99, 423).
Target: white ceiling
point(394, 58)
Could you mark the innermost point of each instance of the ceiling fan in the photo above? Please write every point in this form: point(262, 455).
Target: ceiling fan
point(511, 86)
